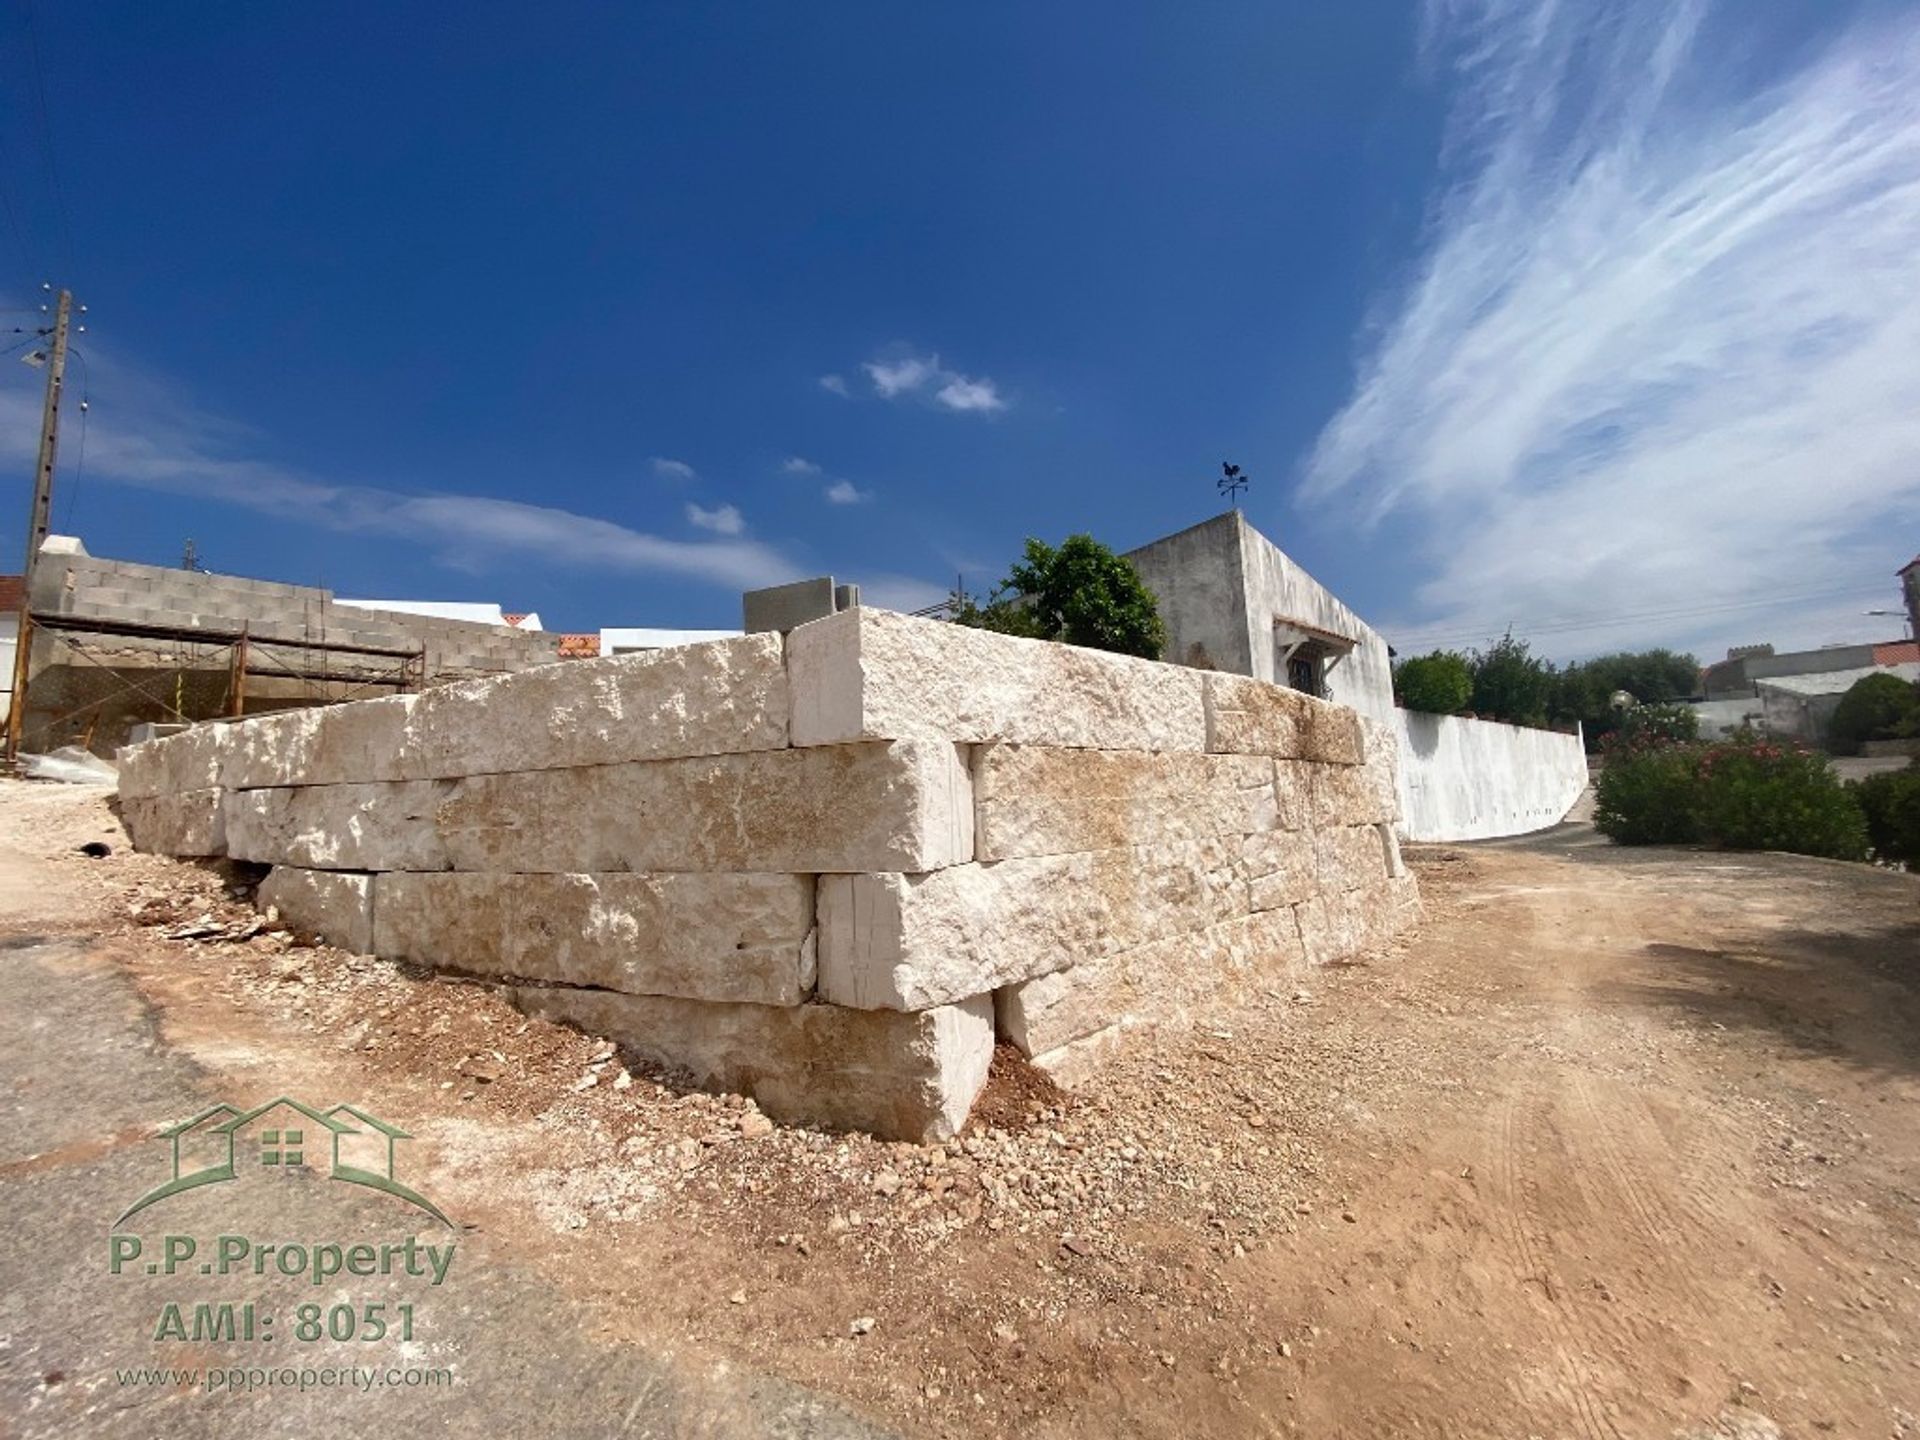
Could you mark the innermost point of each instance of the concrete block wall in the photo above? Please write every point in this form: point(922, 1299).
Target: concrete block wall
point(828, 868)
point(274, 613)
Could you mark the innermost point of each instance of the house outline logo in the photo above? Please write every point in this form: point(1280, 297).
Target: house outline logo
point(285, 1147)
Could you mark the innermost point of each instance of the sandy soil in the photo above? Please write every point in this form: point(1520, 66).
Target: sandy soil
point(1622, 1143)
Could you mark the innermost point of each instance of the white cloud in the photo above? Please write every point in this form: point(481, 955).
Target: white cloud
point(722, 519)
point(667, 469)
point(960, 393)
point(794, 465)
point(142, 432)
point(921, 374)
point(1661, 355)
point(845, 492)
point(836, 385)
point(900, 592)
point(901, 377)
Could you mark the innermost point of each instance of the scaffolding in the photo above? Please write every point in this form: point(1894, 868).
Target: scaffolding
point(199, 649)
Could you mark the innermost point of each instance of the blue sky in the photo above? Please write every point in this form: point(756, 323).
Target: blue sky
point(1598, 320)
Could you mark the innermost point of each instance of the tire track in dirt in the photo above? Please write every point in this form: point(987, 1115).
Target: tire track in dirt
point(1531, 1253)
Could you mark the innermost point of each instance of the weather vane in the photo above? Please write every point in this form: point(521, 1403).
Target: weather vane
point(1232, 481)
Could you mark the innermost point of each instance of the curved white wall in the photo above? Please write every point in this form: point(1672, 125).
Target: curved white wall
point(1466, 779)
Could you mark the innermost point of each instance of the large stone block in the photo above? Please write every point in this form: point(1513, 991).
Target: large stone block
point(1247, 716)
point(1032, 800)
point(1282, 868)
point(872, 674)
point(907, 942)
point(1351, 795)
point(743, 938)
point(1340, 926)
point(837, 808)
point(188, 823)
point(384, 826)
point(720, 697)
point(1352, 857)
point(333, 904)
point(321, 745)
point(1157, 983)
point(194, 759)
point(853, 807)
point(901, 1077)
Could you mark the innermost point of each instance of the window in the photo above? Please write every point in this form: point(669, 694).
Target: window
point(280, 1147)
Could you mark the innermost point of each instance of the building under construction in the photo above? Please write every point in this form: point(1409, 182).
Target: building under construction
point(113, 644)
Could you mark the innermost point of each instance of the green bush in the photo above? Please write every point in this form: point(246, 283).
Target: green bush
point(1877, 707)
point(1891, 803)
point(1645, 794)
point(1080, 593)
point(1759, 794)
point(1439, 684)
point(1748, 793)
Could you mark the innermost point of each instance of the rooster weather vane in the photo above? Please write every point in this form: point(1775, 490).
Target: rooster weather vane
point(1232, 481)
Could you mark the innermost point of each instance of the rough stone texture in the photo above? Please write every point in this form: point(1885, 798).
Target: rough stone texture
point(1151, 984)
point(335, 905)
point(853, 807)
point(1352, 857)
point(902, 1077)
point(340, 827)
point(321, 745)
point(742, 938)
point(1032, 800)
point(1282, 869)
point(1337, 926)
point(1351, 795)
point(905, 942)
point(1251, 717)
point(905, 806)
point(194, 759)
point(190, 822)
point(719, 697)
point(872, 674)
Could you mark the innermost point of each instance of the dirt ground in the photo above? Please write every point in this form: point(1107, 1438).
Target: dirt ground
point(1620, 1143)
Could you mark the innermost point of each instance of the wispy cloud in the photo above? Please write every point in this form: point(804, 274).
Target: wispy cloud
point(794, 465)
point(142, 432)
point(1661, 355)
point(836, 385)
point(845, 492)
point(666, 469)
point(908, 374)
point(721, 520)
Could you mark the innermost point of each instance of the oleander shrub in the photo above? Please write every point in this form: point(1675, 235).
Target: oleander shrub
point(1644, 795)
point(1754, 793)
point(1659, 722)
point(1747, 793)
point(1891, 804)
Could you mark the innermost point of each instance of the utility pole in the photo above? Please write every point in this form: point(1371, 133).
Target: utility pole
point(41, 518)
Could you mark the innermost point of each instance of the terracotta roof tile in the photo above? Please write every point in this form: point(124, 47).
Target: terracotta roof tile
point(579, 647)
point(1898, 652)
point(10, 593)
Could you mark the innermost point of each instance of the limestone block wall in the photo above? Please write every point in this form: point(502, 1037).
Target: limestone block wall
point(827, 869)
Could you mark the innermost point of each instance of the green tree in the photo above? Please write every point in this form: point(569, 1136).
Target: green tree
point(1877, 707)
point(1663, 722)
point(1510, 684)
point(1080, 593)
point(1440, 683)
point(1584, 692)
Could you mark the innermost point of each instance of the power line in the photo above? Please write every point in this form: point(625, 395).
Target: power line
point(1610, 619)
point(80, 455)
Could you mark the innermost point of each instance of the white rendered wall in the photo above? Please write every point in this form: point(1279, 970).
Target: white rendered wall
point(1464, 779)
